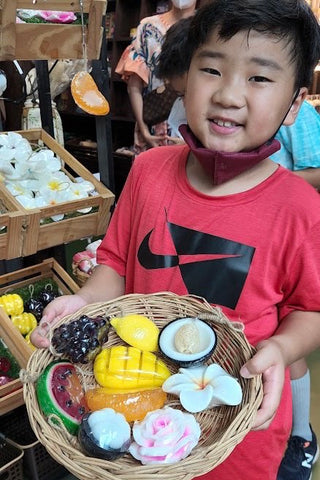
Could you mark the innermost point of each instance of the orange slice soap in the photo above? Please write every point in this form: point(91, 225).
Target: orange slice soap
point(133, 405)
point(87, 95)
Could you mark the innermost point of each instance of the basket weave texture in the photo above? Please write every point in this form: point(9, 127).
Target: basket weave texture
point(222, 428)
point(80, 276)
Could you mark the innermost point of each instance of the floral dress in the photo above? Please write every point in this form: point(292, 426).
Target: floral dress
point(140, 57)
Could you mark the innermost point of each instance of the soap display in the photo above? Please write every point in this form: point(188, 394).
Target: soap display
point(9, 367)
point(12, 303)
point(187, 341)
point(127, 387)
point(164, 436)
point(204, 387)
point(104, 434)
point(82, 339)
point(37, 303)
point(61, 396)
point(128, 367)
point(138, 331)
point(134, 405)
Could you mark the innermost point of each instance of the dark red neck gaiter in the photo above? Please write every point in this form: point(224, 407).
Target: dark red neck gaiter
point(223, 166)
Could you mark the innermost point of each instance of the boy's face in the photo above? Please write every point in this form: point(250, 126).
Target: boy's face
point(239, 91)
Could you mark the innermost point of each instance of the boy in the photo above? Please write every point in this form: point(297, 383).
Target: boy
point(218, 218)
point(300, 151)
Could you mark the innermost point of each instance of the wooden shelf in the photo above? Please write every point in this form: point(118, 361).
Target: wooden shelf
point(43, 41)
point(127, 16)
point(11, 394)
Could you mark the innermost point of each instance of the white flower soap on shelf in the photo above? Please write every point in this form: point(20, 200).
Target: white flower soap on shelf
point(34, 175)
point(204, 387)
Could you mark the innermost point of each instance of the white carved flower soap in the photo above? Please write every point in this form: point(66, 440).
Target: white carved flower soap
point(203, 387)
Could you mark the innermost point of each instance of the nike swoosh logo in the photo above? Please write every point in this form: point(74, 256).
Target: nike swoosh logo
point(213, 267)
point(151, 260)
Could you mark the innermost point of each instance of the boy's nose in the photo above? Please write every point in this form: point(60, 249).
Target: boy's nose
point(229, 94)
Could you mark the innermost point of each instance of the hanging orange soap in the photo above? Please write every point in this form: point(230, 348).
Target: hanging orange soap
point(87, 95)
point(133, 405)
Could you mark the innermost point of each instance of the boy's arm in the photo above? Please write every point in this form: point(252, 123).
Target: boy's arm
point(311, 175)
point(297, 335)
point(104, 284)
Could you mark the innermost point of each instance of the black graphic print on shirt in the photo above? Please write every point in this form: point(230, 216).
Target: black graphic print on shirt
point(212, 267)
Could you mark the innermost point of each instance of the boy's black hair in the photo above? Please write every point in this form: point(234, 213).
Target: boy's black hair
point(174, 58)
point(290, 20)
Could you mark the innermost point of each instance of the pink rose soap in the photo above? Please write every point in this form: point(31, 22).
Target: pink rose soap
point(166, 435)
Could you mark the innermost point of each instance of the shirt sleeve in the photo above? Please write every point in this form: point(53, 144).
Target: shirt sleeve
point(303, 277)
point(135, 57)
point(113, 249)
point(301, 141)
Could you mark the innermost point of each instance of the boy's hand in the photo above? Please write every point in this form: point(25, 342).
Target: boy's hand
point(54, 311)
point(153, 140)
point(269, 362)
point(175, 140)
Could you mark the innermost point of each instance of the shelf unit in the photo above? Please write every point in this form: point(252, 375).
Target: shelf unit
point(15, 38)
point(122, 17)
point(127, 15)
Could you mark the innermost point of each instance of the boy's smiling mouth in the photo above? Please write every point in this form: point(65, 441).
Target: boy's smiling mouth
point(224, 126)
point(225, 123)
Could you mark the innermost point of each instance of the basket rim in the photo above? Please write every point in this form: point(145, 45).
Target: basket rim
point(200, 459)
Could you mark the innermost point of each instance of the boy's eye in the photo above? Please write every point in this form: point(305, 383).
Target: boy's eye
point(211, 71)
point(259, 79)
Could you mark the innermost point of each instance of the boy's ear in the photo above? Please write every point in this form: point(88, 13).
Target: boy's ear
point(295, 107)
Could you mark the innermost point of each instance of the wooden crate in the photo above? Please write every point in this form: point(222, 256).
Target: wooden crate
point(11, 227)
point(37, 235)
point(11, 395)
point(44, 41)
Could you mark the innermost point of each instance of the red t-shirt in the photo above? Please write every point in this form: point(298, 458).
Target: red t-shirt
point(255, 253)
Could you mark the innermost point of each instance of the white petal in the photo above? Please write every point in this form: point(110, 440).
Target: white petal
point(54, 164)
point(22, 151)
point(57, 218)
point(14, 138)
point(40, 202)
point(6, 153)
point(18, 188)
point(198, 400)
point(6, 168)
point(178, 382)
point(4, 140)
point(196, 374)
point(85, 210)
point(213, 371)
point(226, 391)
point(26, 202)
point(85, 184)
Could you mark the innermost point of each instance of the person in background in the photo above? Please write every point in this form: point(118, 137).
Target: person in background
point(218, 218)
point(300, 145)
point(172, 67)
point(300, 152)
point(137, 67)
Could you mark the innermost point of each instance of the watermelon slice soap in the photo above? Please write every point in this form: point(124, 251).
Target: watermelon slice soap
point(61, 396)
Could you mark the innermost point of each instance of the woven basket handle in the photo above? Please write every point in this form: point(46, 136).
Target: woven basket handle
point(219, 317)
point(215, 314)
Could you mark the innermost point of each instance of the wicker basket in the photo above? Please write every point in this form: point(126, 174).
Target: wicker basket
point(80, 276)
point(222, 427)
